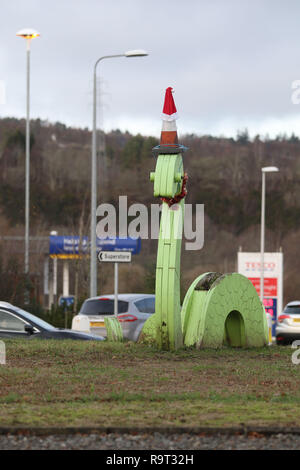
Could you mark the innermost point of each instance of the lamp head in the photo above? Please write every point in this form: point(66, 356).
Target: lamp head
point(28, 33)
point(269, 169)
point(136, 53)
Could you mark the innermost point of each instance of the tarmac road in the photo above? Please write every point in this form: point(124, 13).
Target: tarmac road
point(150, 441)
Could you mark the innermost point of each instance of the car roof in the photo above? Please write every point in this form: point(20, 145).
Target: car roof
point(126, 297)
point(293, 303)
point(6, 304)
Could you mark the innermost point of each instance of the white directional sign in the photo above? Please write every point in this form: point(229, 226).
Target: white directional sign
point(115, 256)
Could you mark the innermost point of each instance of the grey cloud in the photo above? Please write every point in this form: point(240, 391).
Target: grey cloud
point(229, 61)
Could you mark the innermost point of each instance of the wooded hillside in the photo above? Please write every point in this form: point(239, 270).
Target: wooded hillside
point(224, 174)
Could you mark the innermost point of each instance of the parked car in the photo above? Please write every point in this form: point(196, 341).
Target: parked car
point(17, 323)
point(288, 323)
point(133, 311)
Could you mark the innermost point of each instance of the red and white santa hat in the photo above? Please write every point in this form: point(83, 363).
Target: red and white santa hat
point(169, 115)
point(169, 110)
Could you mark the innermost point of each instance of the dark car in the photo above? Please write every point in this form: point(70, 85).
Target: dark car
point(17, 323)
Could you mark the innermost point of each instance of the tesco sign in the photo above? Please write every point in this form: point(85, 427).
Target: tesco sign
point(255, 266)
point(249, 265)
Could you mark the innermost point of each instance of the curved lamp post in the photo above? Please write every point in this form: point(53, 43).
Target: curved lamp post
point(93, 249)
point(266, 169)
point(27, 34)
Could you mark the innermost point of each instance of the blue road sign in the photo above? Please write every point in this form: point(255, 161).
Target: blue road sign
point(66, 301)
point(271, 308)
point(71, 247)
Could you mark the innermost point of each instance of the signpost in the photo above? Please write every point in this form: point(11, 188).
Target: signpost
point(115, 257)
point(66, 302)
point(249, 266)
point(110, 250)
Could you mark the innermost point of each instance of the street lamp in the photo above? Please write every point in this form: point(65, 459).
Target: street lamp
point(93, 249)
point(27, 34)
point(266, 169)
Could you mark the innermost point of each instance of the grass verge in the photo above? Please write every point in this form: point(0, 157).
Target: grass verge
point(73, 383)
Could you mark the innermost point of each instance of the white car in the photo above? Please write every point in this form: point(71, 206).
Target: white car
point(288, 323)
point(133, 311)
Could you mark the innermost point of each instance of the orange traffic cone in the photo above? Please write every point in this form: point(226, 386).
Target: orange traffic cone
point(169, 136)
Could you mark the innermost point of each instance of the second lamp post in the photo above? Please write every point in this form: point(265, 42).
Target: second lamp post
point(266, 169)
point(93, 241)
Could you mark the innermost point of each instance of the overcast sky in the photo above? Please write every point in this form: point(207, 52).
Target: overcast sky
point(230, 62)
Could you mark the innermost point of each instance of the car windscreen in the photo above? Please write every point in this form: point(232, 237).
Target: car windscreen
point(292, 309)
point(33, 319)
point(102, 307)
